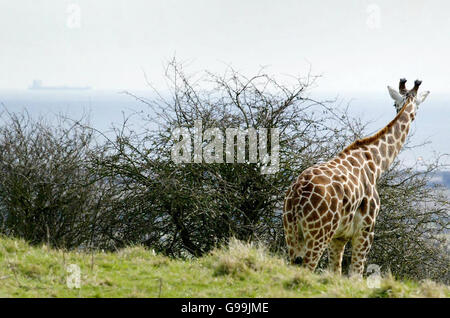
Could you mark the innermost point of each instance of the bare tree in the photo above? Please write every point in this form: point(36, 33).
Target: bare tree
point(47, 191)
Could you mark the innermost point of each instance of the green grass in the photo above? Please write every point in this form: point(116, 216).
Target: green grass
point(239, 270)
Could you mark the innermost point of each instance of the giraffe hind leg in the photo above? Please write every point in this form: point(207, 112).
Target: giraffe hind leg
point(336, 251)
point(313, 253)
point(360, 248)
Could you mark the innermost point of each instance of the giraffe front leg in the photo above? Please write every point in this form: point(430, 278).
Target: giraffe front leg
point(361, 245)
point(336, 251)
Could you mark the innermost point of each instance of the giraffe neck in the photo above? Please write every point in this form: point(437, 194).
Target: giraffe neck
point(379, 151)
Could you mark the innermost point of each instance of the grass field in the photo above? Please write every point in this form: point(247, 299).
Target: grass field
point(239, 270)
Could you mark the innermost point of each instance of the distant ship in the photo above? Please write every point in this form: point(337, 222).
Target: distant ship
point(37, 84)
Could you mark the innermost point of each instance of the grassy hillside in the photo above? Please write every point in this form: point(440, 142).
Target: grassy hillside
point(240, 270)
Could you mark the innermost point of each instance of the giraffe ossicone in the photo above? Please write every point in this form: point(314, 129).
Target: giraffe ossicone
point(335, 202)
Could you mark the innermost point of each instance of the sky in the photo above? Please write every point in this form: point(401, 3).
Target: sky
point(356, 46)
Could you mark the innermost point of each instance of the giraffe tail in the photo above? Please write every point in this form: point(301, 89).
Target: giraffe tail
point(292, 229)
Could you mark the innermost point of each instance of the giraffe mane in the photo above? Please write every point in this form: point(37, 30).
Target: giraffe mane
point(368, 140)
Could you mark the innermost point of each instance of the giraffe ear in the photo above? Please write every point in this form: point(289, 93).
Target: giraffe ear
point(395, 95)
point(422, 97)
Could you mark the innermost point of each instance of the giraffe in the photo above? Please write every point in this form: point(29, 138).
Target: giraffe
point(337, 201)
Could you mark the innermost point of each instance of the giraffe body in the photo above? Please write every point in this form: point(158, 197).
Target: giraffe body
point(337, 201)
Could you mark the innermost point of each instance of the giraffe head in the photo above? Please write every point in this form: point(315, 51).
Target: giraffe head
point(402, 96)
